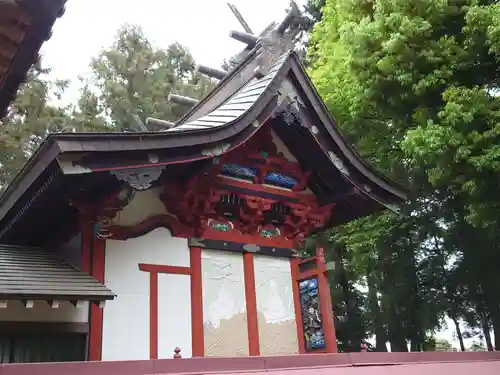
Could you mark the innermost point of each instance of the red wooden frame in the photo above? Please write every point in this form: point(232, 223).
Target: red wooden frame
point(97, 313)
point(197, 331)
point(294, 265)
point(93, 263)
point(193, 206)
point(154, 270)
point(153, 315)
point(325, 301)
point(251, 304)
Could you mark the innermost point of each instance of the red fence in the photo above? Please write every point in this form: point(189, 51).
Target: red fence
point(246, 364)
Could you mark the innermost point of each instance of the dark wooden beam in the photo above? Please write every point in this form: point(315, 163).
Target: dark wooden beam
point(183, 100)
point(294, 12)
point(155, 122)
point(211, 72)
point(237, 247)
point(138, 125)
point(249, 39)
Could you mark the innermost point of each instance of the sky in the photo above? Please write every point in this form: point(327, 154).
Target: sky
point(203, 26)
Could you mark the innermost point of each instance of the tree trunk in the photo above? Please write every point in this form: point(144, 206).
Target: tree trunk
point(394, 330)
point(459, 333)
point(496, 331)
point(398, 343)
point(344, 286)
point(378, 328)
point(486, 331)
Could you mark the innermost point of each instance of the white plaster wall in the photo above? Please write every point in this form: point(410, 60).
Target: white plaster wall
point(145, 203)
point(275, 305)
point(224, 304)
point(42, 312)
point(174, 315)
point(126, 319)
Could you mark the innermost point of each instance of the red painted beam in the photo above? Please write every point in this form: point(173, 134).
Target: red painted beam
point(251, 302)
point(197, 331)
point(159, 268)
point(294, 265)
point(96, 313)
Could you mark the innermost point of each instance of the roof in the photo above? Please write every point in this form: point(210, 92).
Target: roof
point(224, 128)
point(24, 26)
point(269, 83)
point(237, 104)
point(429, 363)
point(32, 273)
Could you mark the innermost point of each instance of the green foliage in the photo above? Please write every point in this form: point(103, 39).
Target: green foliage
point(133, 77)
point(29, 119)
point(414, 85)
point(129, 77)
point(442, 345)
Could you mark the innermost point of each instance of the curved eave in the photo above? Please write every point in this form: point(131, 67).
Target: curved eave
point(232, 128)
point(25, 25)
point(222, 123)
point(67, 143)
point(375, 178)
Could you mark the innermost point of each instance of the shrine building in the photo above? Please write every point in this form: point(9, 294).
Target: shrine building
point(125, 246)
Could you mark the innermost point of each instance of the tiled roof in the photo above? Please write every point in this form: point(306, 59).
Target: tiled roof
point(236, 105)
point(32, 273)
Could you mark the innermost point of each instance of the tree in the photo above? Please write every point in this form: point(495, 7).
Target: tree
point(132, 77)
point(413, 85)
point(477, 347)
point(443, 345)
point(29, 119)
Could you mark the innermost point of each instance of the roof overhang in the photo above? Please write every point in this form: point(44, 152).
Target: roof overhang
point(220, 132)
point(32, 274)
point(24, 26)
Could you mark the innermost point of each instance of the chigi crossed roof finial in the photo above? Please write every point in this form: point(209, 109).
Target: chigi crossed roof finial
point(271, 43)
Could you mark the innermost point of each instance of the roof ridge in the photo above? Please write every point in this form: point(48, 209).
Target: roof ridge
point(221, 84)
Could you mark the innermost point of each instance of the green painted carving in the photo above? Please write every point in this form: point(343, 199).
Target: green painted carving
point(269, 233)
point(221, 227)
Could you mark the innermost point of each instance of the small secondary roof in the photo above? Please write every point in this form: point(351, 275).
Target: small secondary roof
point(28, 273)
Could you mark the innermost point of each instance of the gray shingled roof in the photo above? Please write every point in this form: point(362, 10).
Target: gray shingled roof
point(238, 104)
point(32, 273)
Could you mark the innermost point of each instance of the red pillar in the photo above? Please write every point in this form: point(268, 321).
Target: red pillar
point(325, 299)
point(197, 332)
point(294, 264)
point(251, 302)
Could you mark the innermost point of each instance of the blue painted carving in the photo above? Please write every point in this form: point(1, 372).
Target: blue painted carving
point(314, 336)
point(249, 173)
point(240, 171)
point(279, 179)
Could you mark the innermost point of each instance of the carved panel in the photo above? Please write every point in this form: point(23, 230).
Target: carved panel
point(253, 195)
point(314, 336)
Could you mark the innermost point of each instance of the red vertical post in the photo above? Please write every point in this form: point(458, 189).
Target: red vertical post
point(153, 315)
point(294, 264)
point(325, 299)
point(97, 313)
point(251, 302)
point(197, 332)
